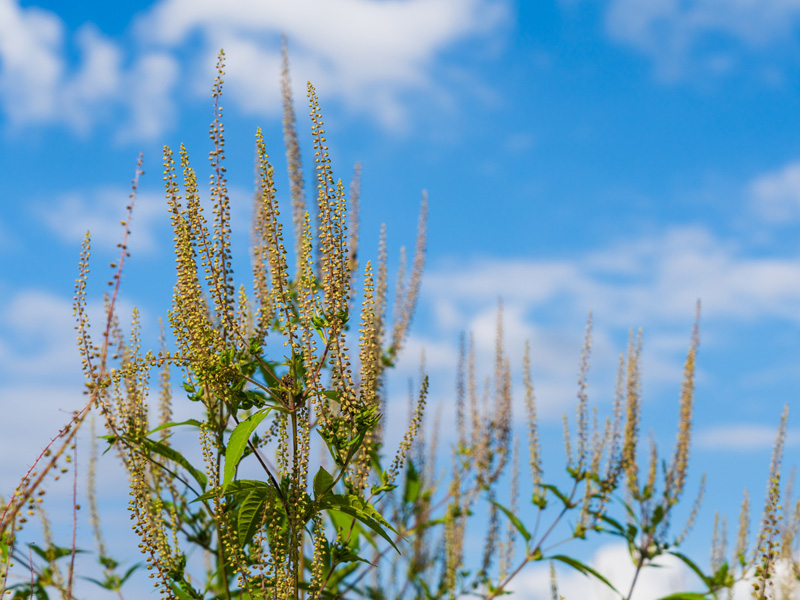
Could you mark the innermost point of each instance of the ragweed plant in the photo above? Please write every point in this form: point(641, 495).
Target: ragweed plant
point(601, 459)
point(291, 497)
point(270, 370)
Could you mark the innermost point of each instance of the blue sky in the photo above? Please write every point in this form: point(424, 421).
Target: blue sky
point(626, 157)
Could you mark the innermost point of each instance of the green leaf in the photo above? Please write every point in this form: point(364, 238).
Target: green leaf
point(690, 563)
point(559, 494)
point(360, 509)
point(412, 487)
point(108, 562)
point(193, 422)
point(53, 552)
point(255, 346)
point(722, 577)
point(250, 515)
point(343, 554)
point(342, 523)
point(238, 442)
point(620, 530)
point(685, 596)
point(112, 581)
point(236, 488)
point(377, 489)
point(176, 457)
point(323, 483)
point(332, 395)
point(129, 572)
point(514, 521)
point(585, 569)
point(658, 516)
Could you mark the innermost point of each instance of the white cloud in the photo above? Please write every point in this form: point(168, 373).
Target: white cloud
point(39, 86)
point(651, 282)
point(744, 437)
point(38, 338)
point(613, 562)
point(32, 65)
point(100, 211)
point(653, 279)
point(147, 93)
point(668, 575)
point(367, 54)
point(704, 35)
point(775, 196)
point(364, 53)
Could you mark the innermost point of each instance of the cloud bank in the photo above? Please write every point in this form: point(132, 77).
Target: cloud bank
point(365, 54)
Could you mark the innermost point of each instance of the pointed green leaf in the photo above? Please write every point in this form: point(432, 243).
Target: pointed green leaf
point(323, 483)
point(129, 572)
point(559, 494)
point(332, 395)
point(585, 569)
point(691, 564)
point(238, 442)
point(618, 528)
point(514, 521)
point(176, 457)
point(412, 487)
point(193, 422)
point(53, 552)
point(235, 488)
point(721, 577)
point(250, 515)
point(685, 596)
point(360, 509)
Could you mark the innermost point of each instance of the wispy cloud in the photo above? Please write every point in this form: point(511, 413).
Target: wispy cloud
point(359, 52)
point(648, 279)
point(366, 54)
point(775, 196)
point(652, 282)
point(703, 36)
point(667, 575)
point(37, 336)
point(39, 85)
point(614, 562)
point(99, 211)
point(743, 437)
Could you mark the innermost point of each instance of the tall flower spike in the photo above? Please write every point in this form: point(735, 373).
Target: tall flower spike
point(405, 306)
point(293, 159)
point(222, 269)
point(693, 514)
point(717, 552)
point(534, 447)
point(768, 537)
point(353, 225)
point(743, 533)
point(633, 402)
point(614, 463)
point(554, 595)
point(272, 234)
point(583, 399)
point(789, 528)
point(165, 399)
point(461, 392)
point(472, 391)
point(676, 476)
